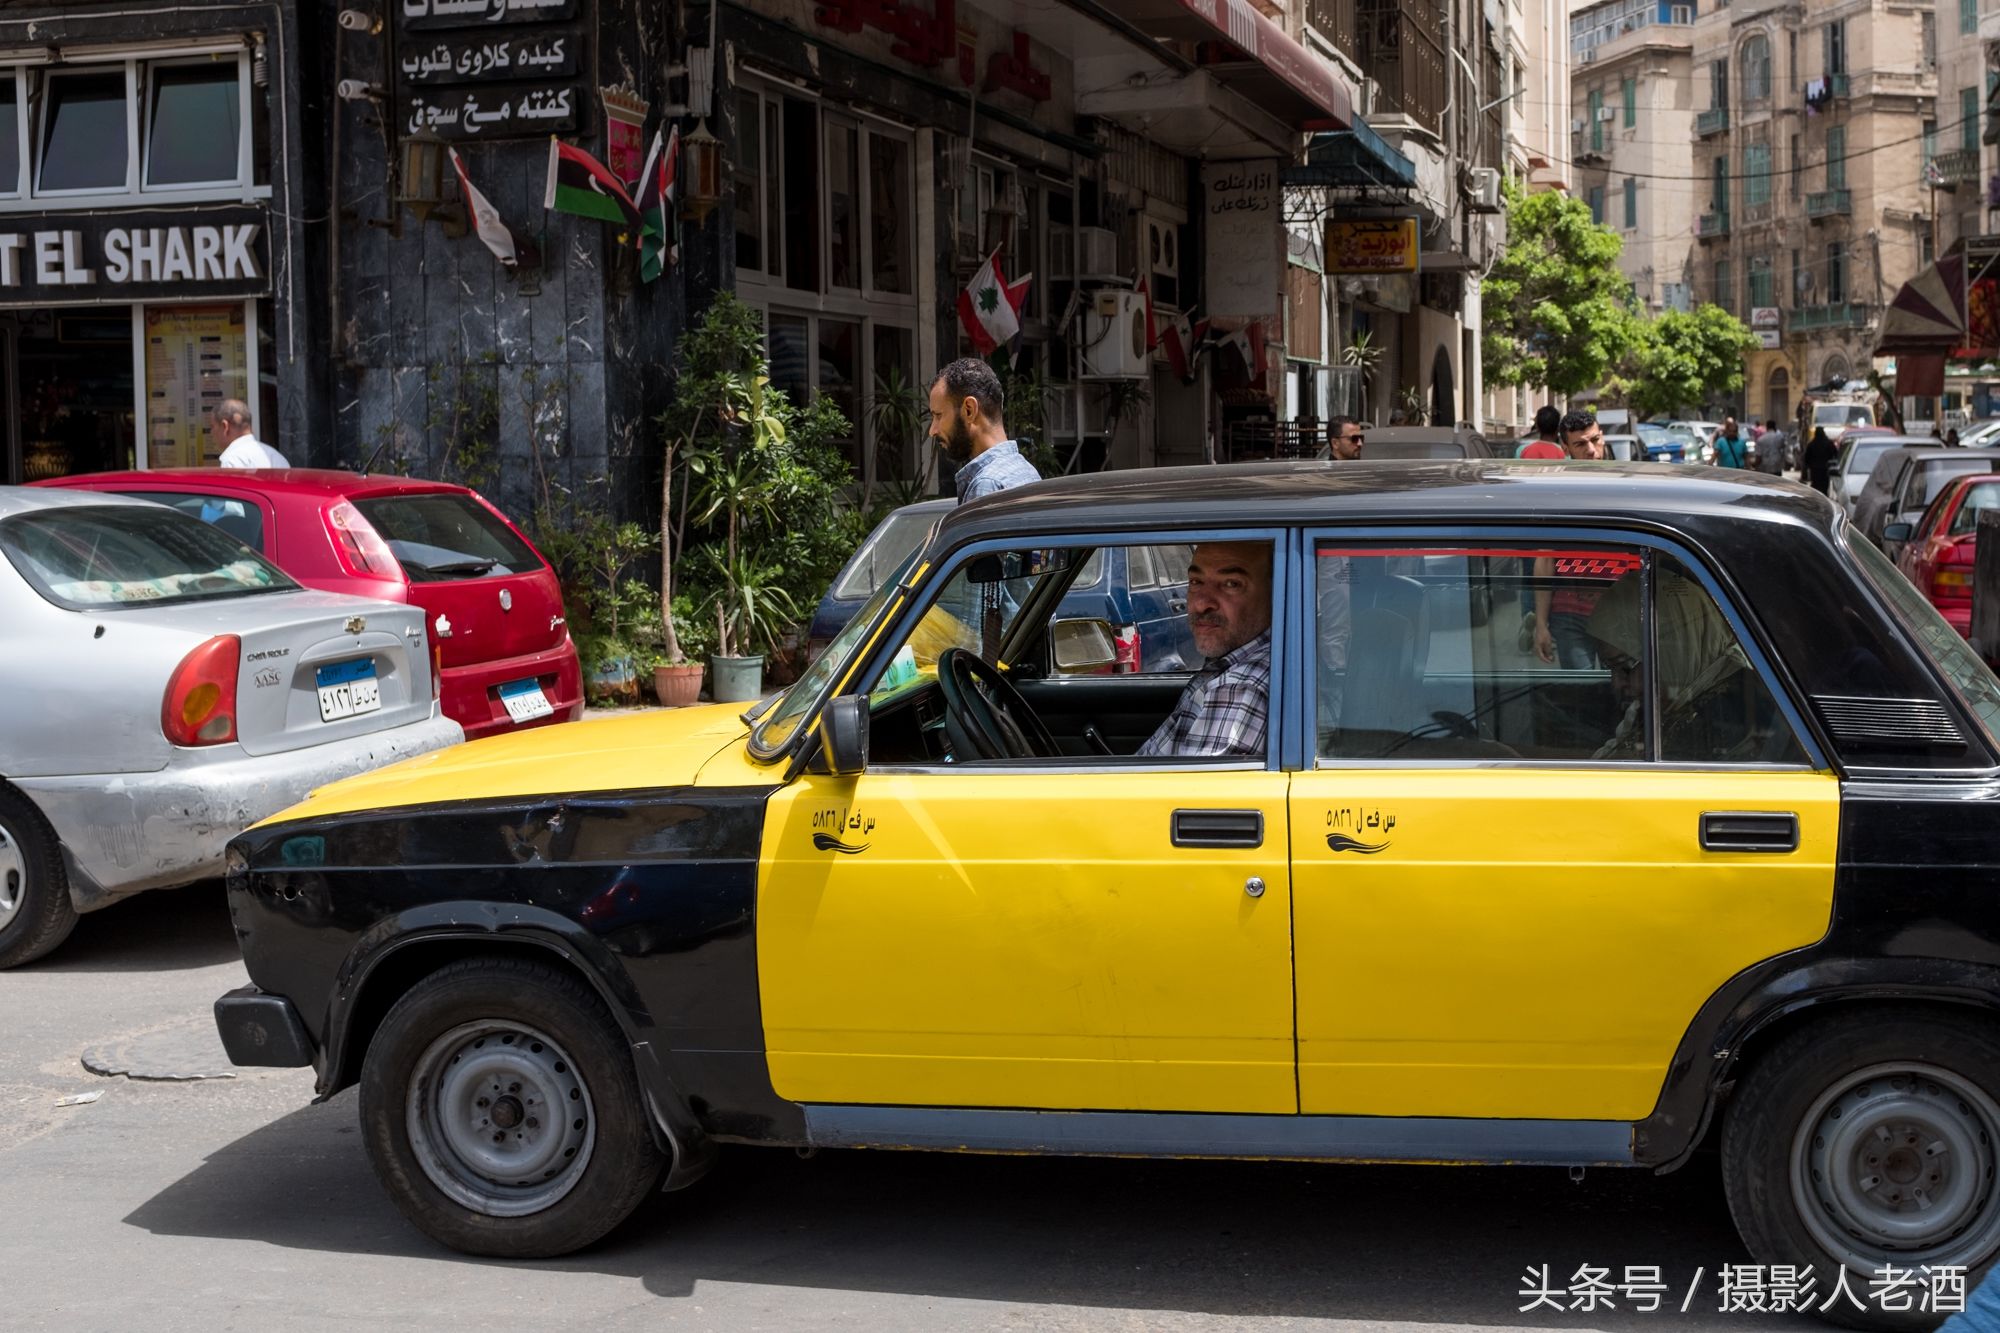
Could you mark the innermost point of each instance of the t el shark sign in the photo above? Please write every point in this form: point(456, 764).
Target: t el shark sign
point(135, 256)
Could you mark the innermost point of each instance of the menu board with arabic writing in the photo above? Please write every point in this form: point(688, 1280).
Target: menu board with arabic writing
point(490, 69)
point(196, 356)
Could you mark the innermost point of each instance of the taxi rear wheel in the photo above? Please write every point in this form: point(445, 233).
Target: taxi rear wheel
point(35, 911)
point(501, 1111)
point(1871, 1144)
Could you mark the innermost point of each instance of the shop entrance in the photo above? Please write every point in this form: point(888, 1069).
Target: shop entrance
point(69, 391)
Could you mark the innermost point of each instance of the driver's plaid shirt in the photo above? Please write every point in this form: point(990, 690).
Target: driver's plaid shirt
point(1225, 711)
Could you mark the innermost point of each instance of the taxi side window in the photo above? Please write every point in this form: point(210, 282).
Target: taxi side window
point(1530, 653)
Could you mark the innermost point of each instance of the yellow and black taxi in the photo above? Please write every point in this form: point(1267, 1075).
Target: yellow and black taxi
point(1568, 815)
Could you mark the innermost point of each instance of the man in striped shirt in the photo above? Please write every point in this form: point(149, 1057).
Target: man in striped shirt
point(1225, 711)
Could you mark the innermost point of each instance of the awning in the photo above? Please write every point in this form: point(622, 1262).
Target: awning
point(1355, 158)
point(1951, 308)
point(1279, 74)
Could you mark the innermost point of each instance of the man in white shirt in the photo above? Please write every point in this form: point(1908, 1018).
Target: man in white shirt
point(229, 427)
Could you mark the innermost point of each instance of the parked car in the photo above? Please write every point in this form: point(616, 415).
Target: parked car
point(920, 909)
point(1699, 437)
point(1980, 433)
point(1387, 443)
point(494, 606)
point(168, 688)
point(1662, 445)
point(1141, 591)
point(1624, 448)
point(1859, 453)
point(1937, 551)
point(1905, 481)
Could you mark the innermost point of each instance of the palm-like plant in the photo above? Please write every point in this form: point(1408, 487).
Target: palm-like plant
point(896, 416)
point(751, 607)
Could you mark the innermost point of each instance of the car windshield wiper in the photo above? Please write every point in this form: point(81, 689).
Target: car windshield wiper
point(468, 566)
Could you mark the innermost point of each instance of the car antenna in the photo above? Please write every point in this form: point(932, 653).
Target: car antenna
point(371, 457)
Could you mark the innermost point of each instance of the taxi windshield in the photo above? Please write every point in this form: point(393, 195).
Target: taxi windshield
point(776, 728)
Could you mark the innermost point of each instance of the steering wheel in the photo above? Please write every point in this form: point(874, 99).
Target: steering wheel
point(985, 715)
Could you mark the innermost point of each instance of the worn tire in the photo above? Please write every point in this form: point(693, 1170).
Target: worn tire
point(476, 1054)
point(35, 911)
point(1837, 1131)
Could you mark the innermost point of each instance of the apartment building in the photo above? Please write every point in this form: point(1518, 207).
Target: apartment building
point(1813, 207)
point(1632, 138)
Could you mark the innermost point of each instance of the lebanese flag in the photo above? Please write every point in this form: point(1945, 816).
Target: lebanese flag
point(486, 219)
point(990, 308)
point(580, 184)
point(1152, 329)
point(659, 216)
point(1183, 341)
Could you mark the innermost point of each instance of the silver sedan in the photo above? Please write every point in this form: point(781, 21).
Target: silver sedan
point(162, 688)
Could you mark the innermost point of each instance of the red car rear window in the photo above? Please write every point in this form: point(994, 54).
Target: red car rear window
point(443, 536)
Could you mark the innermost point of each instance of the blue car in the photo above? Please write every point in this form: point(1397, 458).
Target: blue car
point(1140, 590)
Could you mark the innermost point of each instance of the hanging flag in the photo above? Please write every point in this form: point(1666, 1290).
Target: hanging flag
point(659, 213)
point(1184, 343)
point(1248, 343)
point(486, 220)
point(1152, 329)
point(990, 308)
point(580, 184)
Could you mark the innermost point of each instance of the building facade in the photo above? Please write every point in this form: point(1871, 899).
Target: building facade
point(1812, 203)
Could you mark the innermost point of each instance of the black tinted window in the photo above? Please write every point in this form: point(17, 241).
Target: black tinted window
point(447, 535)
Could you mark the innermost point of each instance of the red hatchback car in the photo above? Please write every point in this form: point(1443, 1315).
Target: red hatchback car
point(492, 604)
point(1937, 552)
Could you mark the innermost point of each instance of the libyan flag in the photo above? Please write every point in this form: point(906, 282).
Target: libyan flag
point(659, 217)
point(580, 184)
point(990, 308)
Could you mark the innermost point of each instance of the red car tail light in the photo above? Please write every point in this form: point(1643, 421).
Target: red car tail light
point(200, 705)
point(1951, 576)
point(361, 549)
point(1127, 647)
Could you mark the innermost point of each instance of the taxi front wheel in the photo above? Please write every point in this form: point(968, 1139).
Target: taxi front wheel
point(501, 1111)
point(1871, 1144)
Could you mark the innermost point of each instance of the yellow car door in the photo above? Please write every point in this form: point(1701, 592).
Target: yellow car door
point(1531, 849)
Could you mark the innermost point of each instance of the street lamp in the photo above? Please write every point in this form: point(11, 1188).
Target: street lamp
point(423, 182)
point(703, 152)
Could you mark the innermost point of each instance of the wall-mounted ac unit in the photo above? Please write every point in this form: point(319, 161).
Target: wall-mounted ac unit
point(1162, 251)
point(1607, 113)
point(1114, 336)
point(1485, 190)
point(1096, 254)
point(1576, 125)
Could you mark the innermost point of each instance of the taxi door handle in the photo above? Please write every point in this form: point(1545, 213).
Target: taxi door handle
point(1218, 828)
point(1749, 831)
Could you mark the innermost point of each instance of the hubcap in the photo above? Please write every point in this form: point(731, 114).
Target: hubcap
point(499, 1118)
point(1896, 1163)
point(13, 875)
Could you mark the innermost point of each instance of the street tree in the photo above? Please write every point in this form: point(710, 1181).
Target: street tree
point(1684, 359)
point(1557, 308)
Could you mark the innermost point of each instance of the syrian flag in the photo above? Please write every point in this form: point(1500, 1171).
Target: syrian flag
point(1152, 329)
point(990, 308)
point(580, 184)
point(1183, 341)
point(1248, 343)
point(486, 219)
point(659, 211)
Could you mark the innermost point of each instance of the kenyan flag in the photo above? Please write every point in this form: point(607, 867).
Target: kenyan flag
point(580, 184)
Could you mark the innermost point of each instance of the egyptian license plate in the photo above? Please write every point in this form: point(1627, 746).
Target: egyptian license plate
point(348, 689)
point(525, 701)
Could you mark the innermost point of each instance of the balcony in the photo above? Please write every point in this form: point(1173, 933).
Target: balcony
point(1333, 20)
point(1401, 47)
point(1840, 315)
point(1712, 122)
point(1711, 226)
point(1831, 86)
point(1829, 204)
point(1958, 167)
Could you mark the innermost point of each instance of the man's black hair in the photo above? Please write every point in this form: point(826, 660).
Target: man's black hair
point(1575, 422)
point(969, 377)
point(1547, 418)
point(1337, 426)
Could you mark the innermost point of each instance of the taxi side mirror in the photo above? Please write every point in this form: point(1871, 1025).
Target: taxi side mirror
point(1084, 645)
point(843, 735)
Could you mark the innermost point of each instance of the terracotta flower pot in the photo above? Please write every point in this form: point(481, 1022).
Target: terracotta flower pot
point(677, 686)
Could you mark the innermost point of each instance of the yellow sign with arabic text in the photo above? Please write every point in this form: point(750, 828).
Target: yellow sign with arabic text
point(1376, 245)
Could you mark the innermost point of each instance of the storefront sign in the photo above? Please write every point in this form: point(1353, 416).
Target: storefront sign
point(135, 255)
point(1246, 241)
point(196, 356)
point(1769, 339)
point(1764, 317)
point(417, 15)
point(1383, 245)
point(522, 83)
point(486, 59)
point(624, 133)
point(932, 38)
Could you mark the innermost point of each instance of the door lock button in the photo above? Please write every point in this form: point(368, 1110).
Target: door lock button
point(1254, 886)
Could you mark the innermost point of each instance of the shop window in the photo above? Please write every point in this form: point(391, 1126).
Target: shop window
point(845, 359)
point(890, 198)
point(84, 143)
point(10, 135)
point(800, 202)
point(839, 379)
point(843, 205)
point(194, 125)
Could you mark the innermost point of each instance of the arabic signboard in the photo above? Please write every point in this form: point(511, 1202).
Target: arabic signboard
point(485, 58)
point(1764, 317)
point(418, 15)
point(1383, 245)
point(1245, 267)
point(124, 256)
point(469, 70)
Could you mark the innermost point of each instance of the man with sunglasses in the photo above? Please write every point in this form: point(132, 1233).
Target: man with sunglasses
point(1347, 438)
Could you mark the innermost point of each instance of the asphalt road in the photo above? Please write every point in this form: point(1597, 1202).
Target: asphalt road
point(236, 1204)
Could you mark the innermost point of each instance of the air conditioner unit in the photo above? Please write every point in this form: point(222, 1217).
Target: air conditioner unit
point(1096, 253)
point(1485, 190)
point(1114, 336)
point(1576, 125)
point(1607, 113)
point(1162, 253)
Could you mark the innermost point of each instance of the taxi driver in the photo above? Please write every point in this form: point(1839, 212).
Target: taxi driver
point(1225, 710)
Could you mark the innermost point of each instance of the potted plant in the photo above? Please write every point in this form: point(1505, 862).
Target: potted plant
point(752, 611)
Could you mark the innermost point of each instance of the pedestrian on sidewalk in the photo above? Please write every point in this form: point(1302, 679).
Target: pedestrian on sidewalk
point(229, 427)
point(1818, 461)
point(1730, 448)
point(969, 422)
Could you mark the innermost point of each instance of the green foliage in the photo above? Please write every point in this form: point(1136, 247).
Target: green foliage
point(899, 418)
point(1556, 305)
point(1026, 394)
point(1685, 359)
